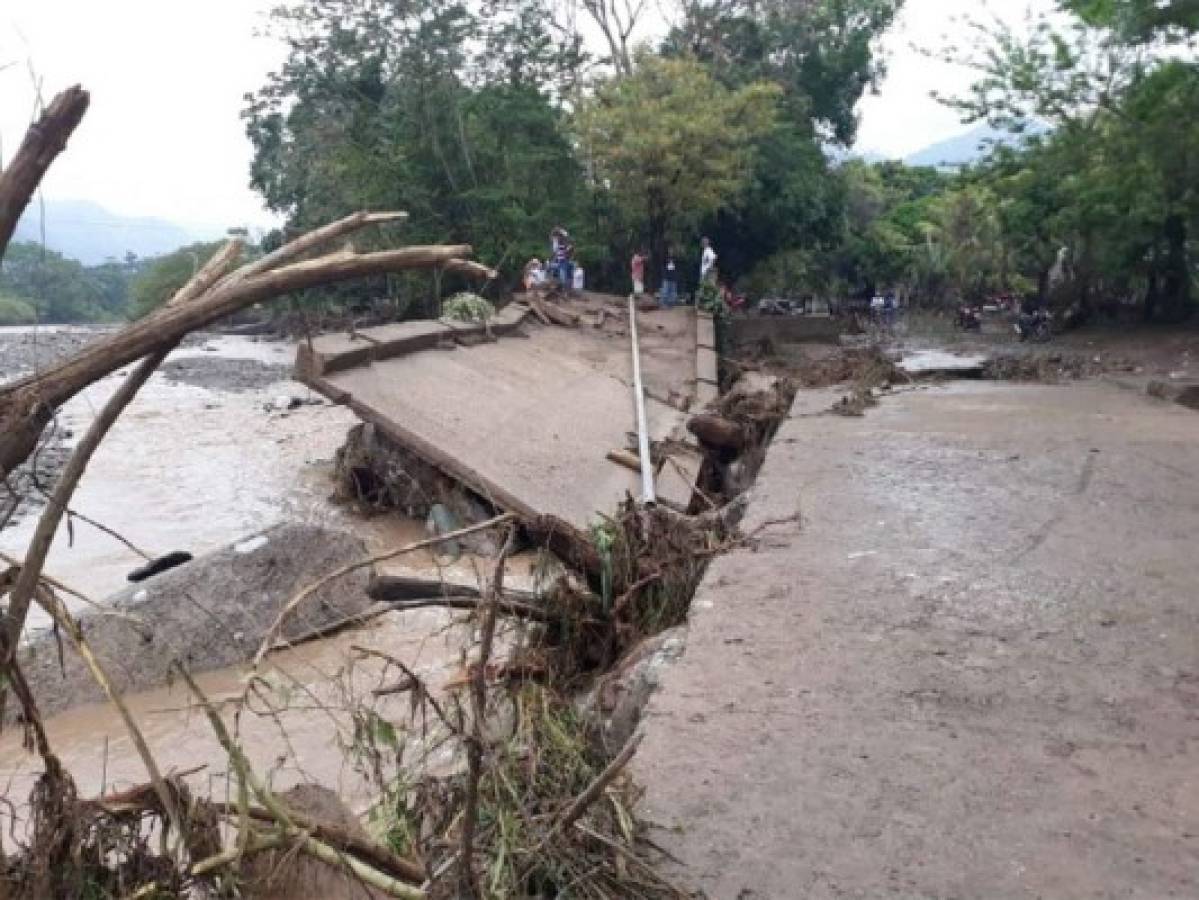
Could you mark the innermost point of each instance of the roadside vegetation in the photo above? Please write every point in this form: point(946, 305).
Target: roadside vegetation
point(490, 126)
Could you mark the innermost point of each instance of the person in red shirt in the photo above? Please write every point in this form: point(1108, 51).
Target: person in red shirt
point(637, 266)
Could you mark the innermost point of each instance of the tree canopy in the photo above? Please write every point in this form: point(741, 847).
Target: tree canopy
point(491, 124)
point(39, 285)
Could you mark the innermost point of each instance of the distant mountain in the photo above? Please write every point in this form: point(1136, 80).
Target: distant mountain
point(967, 148)
point(91, 234)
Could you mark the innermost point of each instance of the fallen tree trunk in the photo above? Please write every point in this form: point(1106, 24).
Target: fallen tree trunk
point(27, 405)
point(625, 458)
point(394, 588)
point(45, 139)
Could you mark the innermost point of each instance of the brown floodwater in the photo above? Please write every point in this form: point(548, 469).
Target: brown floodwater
point(299, 730)
point(193, 468)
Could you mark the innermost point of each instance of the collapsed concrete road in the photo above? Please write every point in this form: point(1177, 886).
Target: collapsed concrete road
point(968, 669)
point(528, 420)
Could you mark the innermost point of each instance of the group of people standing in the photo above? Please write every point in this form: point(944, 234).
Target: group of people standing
point(562, 270)
point(669, 292)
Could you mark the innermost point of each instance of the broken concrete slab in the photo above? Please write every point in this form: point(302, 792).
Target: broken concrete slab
point(941, 362)
point(706, 392)
point(209, 613)
point(508, 319)
point(404, 337)
point(753, 329)
point(464, 332)
point(525, 424)
point(333, 353)
point(868, 699)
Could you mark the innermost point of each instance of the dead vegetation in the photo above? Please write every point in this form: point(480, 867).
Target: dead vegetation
point(1052, 366)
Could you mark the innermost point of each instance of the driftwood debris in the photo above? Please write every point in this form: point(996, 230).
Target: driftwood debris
point(550, 313)
point(625, 458)
point(718, 432)
point(44, 140)
point(395, 587)
point(27, 405)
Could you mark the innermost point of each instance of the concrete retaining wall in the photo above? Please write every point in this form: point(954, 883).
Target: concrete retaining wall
point(786, 329)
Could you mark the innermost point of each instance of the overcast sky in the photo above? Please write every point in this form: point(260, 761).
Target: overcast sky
point(163, 136)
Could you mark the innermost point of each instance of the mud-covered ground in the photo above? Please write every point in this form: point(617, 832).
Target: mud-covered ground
point(959, 661)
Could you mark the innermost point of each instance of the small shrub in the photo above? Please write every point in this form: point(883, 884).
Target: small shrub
point(467, 307)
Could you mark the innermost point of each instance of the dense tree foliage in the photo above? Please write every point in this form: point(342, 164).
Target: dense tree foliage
point(487, 125)
point(39, 285)
point(490, 125)
point(1111, 190)
point(671, 145)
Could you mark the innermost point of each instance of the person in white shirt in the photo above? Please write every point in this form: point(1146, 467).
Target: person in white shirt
point(707, 263)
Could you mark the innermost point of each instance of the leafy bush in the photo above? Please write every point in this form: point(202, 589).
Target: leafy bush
point(467, 307)
point(15, 311)
point(788, 273)
point(708, 299)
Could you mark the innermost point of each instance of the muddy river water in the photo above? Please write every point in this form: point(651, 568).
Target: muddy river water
point(191, 467)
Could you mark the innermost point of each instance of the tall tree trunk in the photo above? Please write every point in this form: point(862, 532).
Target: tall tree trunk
point(657, 241)
point(1043, 285)
point(1176, 274)
point(43, 142)
point(1151, 295)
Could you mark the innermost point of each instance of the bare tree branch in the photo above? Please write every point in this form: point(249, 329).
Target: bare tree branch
point(45, 139)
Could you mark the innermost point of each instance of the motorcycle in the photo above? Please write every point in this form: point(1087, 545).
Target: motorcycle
point(968, 319)
point(1035, 326)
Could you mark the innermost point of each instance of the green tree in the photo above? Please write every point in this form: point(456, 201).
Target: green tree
point(671, 145)
point(163, 276)
point(1140, 20)
point(445, 111)
point(1114, 180)
point(58, 289)
point(821, 53)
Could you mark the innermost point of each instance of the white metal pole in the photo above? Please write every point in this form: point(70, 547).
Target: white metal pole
point(648, 496)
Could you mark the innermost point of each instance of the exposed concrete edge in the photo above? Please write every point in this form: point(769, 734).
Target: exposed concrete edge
point(209, 613)
point(484, 487)
point(707, 390)
point(389, 341)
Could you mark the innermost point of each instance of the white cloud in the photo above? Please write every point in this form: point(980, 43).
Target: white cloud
point(902, 117)
point(163, 136)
